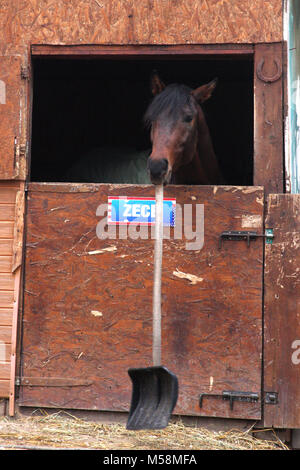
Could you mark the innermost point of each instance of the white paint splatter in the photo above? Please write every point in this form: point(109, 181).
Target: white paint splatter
point(99, 252)
point(96, 313)
point(190, 277)
point(2, 92)
point(251, 221)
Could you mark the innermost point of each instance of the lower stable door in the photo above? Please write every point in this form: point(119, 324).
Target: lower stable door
point(88, 296)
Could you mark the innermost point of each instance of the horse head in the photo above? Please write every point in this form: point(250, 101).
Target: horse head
point(177, 123)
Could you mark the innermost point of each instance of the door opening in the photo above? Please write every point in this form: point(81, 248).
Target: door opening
point(82, 105)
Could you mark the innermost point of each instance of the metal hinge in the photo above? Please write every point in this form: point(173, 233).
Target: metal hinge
point(22, 150)
point(271, 398)
point(247, 235)
point(25, 72)
point(20, 153)
point(52, 382)
point(231, 396)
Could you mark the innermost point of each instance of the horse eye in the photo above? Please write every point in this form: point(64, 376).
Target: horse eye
point(188, 118)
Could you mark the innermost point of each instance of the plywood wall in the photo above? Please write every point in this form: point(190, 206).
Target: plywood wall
point(139, 22)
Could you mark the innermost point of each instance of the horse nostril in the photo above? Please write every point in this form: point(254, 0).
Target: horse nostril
point(164, 164)
point(158, 167)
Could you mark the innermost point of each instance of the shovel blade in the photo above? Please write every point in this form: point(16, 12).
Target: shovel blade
point(154, 396)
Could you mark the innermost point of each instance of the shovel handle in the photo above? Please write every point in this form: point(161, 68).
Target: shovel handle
point(158, 248)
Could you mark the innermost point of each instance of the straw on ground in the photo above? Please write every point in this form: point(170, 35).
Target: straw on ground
point(62, 430)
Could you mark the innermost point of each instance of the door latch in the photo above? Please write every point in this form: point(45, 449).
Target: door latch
point(237, 235)
point(231, 396)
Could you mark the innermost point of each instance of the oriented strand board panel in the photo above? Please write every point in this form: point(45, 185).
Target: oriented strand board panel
point(282, 312)
point(140, 21)
point(88, 301)
point(10, 97)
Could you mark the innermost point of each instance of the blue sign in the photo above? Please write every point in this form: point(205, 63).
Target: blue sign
point(123, 210)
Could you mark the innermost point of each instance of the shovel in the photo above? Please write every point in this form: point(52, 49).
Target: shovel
point(155, 389)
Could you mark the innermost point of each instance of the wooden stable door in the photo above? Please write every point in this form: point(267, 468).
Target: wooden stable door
point(282, 313)
point(88, 301)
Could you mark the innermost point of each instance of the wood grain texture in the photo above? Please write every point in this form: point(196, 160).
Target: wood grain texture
point(4, 388)
point(140, 22)
point(18, 229)
point(5, 370)
point(6, 229)
point(88, 302)
point(268, 118)
point(128, 51)
point(5, 334)
point(8, 195)
point(282, 311)
point(5, 263)
point(8, 192)
point(7, 212)
point(10, 103)
point(5, 246)
point(5, 316)
point(6, 282)
point(14, 332)
point(6, 298)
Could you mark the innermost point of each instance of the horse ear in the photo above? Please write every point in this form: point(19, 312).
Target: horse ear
point(157, 86)
point(204, 92)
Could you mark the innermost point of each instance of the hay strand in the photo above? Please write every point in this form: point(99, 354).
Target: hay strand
point(62, 430)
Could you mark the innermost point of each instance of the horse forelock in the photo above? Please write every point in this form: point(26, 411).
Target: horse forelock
point(169, 103)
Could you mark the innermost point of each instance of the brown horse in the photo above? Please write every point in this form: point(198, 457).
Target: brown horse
point(182, 151)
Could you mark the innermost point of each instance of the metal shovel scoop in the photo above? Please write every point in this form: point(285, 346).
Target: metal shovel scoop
point(155, 389)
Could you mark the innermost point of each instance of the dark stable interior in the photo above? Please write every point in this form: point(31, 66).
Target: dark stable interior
point(85, 103)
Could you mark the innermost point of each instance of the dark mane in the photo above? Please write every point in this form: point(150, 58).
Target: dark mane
point(169, 102)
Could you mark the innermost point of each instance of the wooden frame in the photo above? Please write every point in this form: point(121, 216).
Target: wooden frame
point(268, 91)
point(16, 270)
point(11, 250)
point(40, 50)
point(268, 117)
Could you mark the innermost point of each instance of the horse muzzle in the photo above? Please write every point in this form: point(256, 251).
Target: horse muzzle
point(159, 170)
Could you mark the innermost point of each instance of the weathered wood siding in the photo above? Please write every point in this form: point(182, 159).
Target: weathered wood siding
point(8, 235)
point(139, 22)
point(282, 312)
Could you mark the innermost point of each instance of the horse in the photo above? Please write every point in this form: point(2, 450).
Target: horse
point(181, 153)
point(182, 150)
point(111, 164)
